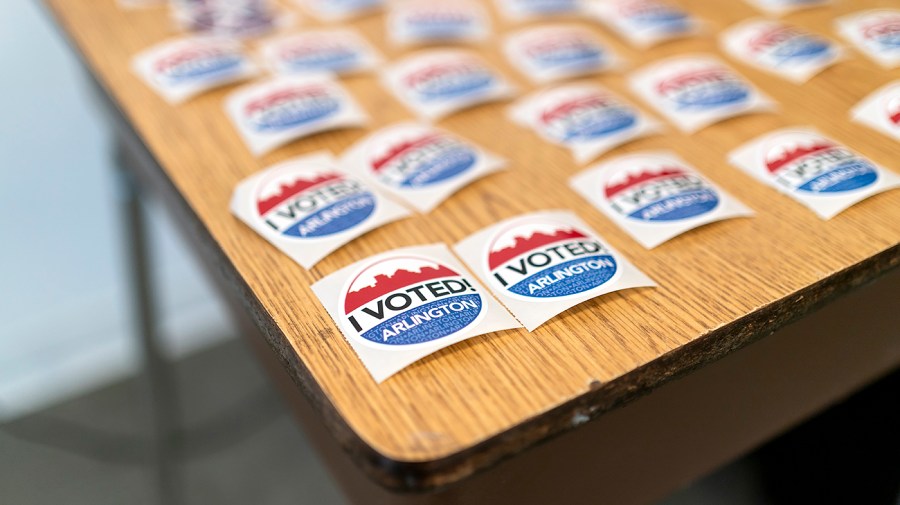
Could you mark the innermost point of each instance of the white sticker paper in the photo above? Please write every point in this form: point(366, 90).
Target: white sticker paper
point(812, 169)
point(398, 307)
point(585, 118)
point(556, 52)
point(881, 110)
point(229, 18)
point(696, 91)
point(272, 113)
point(529, 10)
point(781, 7)
point(308, 208)
point(544, 263)
point(418, 163)
point(781, 49)
point(336, 51)
point(413, 22)
point(339, 10)
point(655, 196)
point(876, 33)
point(183, 68)
point(141, 4)
point(439, 82)
point(644, 23)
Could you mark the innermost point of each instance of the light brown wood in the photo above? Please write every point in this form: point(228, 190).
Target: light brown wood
point(638, 454)
point(475, 403)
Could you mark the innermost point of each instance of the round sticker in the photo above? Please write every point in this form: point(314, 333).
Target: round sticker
point(421, 158)
point(547, 260)
point(816, 165)
point(659, 193)
point(704, 89)
point(408, 300)
point(309, 204)
point(290, 107)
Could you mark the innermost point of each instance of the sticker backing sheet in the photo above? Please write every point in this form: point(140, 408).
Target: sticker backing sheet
point(812, 169)
point(397, 307)
point(781, 49)
point(881, 110)
point(180, 69)
point(438, 82)
point(655, 196)
point(419, 164)
point(544, 263)
point(696, 91)
point(271, 113)
point(307, 207)
point(585, 118)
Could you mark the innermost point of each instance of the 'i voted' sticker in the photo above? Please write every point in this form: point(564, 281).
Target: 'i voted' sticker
point(398, 307)
point(644, 23)
point(412, 22)
point(876, 33)
point(528, 10)
point(780, 48)
point(812, 169)
point(339, 10)
point(697, 91)
point(308, 208)
point(655, 196)
point(780, 7)
point(439, 82)
point(229, 18)
point(418, 163)
point(183, 68)
point(338, 51)
point(555, 52)
point(585, 118)
point(881, 110)
point(544, 263)
point(272, 113)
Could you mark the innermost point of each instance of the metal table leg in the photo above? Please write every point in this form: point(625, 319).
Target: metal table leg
point(162, 392)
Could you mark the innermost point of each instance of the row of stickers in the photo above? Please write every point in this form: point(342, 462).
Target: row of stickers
point(310, 206)
point(249, 18)
point(642, 22)
point(394, 308)
point(181, 68)
point(692, 91)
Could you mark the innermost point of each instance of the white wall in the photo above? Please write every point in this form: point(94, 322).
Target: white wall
point(64, 307)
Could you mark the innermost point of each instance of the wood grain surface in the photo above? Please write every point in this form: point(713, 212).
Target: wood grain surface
point(475, 403)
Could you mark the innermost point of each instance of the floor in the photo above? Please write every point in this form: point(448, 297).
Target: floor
point(240, 446)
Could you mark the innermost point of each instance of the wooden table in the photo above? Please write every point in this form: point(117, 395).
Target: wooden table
point(464, 409)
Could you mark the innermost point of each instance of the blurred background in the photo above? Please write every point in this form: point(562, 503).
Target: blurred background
point(74, 414)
